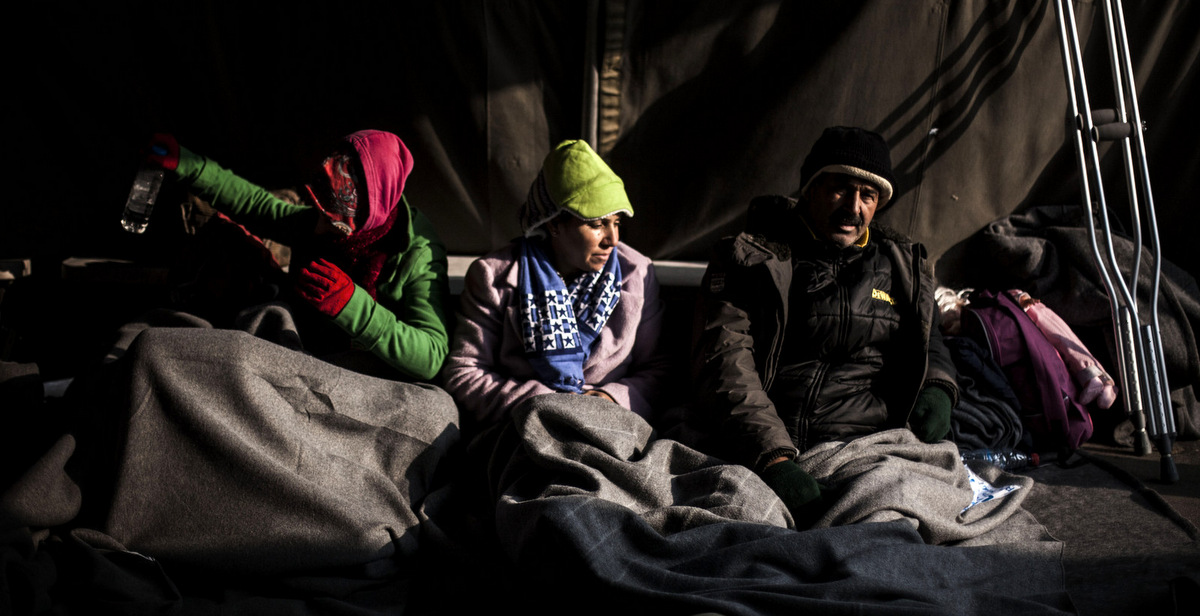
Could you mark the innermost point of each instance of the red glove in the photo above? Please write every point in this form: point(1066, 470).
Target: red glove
point(163, 150)
point(325, 286)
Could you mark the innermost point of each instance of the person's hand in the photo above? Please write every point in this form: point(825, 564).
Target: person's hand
point(163, 151)
point(600, 393)
point(325, 286)
point(803, 495)
point(930, 418)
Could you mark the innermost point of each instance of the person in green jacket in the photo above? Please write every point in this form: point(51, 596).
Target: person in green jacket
point(362, 257)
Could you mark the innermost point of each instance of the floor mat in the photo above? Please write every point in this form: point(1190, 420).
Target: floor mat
point(1127, 550)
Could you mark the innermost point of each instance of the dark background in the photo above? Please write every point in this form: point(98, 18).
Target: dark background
point(701, 106)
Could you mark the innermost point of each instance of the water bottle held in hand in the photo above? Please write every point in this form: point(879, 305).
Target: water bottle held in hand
point(142, 194)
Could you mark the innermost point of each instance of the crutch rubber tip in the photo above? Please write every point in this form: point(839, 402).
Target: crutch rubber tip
point(1141, 443)
point(1166, 469)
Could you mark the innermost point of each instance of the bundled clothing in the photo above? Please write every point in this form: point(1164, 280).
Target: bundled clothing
point(804, 343)
point(1095, 384)
point(1047, 252)
point(396, 307)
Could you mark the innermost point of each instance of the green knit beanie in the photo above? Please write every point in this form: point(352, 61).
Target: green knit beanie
point(573, 178)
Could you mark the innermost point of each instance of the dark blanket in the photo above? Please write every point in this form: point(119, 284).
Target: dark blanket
point(1046, 252)
point(592, 505)
point(986, 414)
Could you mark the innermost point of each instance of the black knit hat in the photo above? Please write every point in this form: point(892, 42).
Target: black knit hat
point(853, 151)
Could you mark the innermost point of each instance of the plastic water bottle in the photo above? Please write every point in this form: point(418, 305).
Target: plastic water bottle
point(1007, 459)
point(141, 197)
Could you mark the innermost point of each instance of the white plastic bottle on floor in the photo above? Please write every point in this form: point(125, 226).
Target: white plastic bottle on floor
point(1007, 459)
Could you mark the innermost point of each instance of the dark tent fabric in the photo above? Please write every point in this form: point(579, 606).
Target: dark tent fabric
point(698, 105)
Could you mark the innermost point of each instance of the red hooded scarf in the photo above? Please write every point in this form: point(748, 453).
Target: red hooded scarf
point(386, 163)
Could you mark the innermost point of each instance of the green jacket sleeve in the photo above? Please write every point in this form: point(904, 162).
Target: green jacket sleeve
point(250, 205)
point(405, 325)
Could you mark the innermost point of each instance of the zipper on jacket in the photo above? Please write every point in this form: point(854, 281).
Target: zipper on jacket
point(772, 359)
point(843, 308)
point(804, 418)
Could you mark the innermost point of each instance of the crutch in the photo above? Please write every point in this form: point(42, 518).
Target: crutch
point(1140, 359)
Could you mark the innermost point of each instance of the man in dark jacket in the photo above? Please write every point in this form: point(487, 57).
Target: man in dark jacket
point(818, 325)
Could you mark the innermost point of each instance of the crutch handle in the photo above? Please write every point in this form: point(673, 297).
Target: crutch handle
point(1104, 116)
point(1111, 131)
point(1105, 126)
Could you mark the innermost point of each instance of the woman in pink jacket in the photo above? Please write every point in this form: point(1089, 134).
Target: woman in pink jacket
point(566, 307)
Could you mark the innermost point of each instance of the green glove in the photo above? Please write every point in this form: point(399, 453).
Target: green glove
point(800, 492)
point(930, 418)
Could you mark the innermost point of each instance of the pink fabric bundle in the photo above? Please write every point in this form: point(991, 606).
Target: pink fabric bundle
point(1095, 384)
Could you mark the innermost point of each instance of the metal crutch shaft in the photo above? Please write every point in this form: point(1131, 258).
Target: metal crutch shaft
point(1140, 355)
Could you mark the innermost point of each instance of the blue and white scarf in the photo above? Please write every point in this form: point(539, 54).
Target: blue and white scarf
point(561, 321)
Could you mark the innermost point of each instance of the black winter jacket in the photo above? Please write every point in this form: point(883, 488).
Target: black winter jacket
point(745, 315)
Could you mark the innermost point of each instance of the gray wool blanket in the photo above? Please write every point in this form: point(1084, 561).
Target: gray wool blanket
point(246, 457)
point(227, 472)
point(893, 476)
point(592, 504)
